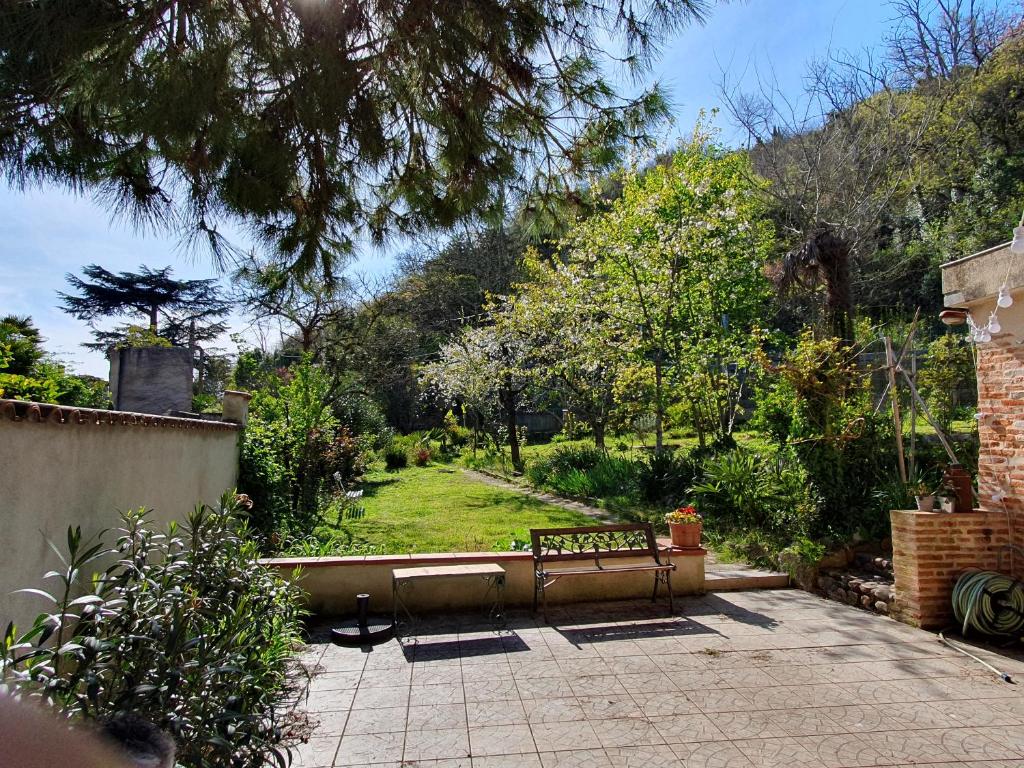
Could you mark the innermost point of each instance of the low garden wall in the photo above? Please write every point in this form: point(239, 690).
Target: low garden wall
point(65, 466)
point(331, 583)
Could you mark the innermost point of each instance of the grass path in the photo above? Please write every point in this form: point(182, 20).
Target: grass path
point(596, 514)
point(442, 509)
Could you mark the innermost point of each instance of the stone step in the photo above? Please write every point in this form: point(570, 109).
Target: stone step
point(722, 578)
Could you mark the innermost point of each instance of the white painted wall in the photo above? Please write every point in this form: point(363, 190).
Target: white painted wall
point(55, 475)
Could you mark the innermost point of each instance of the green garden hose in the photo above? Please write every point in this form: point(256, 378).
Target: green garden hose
point(989, 603)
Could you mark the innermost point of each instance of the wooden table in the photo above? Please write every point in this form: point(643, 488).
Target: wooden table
point(403, 579)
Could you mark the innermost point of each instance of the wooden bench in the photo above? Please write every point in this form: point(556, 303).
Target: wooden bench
point(594, 551)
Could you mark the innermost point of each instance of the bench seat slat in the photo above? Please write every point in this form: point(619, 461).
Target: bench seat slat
point(613, 569)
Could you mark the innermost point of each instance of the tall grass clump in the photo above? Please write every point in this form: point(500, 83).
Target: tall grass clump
point(584, 473)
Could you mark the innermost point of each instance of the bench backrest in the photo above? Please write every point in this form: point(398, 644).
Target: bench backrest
point(594, 542)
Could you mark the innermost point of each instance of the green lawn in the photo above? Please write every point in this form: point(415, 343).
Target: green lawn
point(439, 509)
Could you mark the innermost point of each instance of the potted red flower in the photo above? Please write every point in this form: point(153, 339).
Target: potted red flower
point(685, 525)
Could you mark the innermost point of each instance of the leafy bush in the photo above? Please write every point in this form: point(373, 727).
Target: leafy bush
point(664, 477)
point(343, 458)
point(451, 436)
point(741, 490)
point(422, 457)
point(583, 472)
point(362, 416)
point(612, 476)
point(263, 473)
point(947, 372)
point(395, 458)
point(572, 482)
point(185, 628)
point(570, 457)
point(295, 450)
point(842, 472)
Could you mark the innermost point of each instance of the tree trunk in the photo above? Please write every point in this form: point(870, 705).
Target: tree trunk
point(597, 426)
point(834, 261)
point(508, 397)
point(659, 407)
point(153, 317)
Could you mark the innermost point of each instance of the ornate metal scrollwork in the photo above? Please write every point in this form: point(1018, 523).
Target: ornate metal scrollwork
point(584, 543)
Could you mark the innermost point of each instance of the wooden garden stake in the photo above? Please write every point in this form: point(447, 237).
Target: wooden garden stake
point(890, 368)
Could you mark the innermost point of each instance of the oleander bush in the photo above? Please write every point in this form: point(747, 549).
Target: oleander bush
point(182, 626)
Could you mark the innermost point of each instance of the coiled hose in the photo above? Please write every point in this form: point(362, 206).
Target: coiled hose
point(989, 603)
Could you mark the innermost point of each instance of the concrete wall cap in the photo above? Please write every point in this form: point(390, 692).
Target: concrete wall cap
point(50, 413)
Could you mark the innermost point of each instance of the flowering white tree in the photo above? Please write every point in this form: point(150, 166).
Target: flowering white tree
point(553, 316)
point(676, 268)
point(484, 370)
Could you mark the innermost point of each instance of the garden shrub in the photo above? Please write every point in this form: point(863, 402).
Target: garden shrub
point(185, 629)
point(742, 491)
point(664, 477)
point(843, 470)
point(344, 459)
point(262, 472)
point(295, 451)
point(947, 371)
point(574, 457)
point(362, 416)
point(584, 472)
point(452, 437)
point(572, 482)
point(395, 458)
point(612, 476)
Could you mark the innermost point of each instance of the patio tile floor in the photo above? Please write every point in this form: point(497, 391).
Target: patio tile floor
point(732, 680)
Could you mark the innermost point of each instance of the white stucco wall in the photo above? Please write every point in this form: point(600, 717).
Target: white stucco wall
point(61, 467)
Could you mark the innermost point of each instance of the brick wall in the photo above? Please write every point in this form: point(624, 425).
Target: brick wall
point(930, 550)
point(1001, 431)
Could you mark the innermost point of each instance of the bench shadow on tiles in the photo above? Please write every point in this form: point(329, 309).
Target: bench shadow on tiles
point(580, 636)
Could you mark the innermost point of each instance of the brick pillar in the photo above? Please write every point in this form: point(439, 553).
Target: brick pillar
point(930, 550)
point(1001, 427)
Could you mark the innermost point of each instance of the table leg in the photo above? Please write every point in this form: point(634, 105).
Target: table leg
point(496, 584)
point(397, 589)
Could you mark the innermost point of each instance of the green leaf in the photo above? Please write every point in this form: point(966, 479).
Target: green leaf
point(86, 600)
point(34, 591)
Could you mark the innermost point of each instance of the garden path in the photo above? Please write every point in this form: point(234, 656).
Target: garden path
point(600, 515)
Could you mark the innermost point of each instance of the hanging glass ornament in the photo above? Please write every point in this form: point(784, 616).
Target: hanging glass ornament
point(1017, 246)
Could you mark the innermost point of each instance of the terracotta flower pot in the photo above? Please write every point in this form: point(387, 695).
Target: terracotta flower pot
point(685, 535)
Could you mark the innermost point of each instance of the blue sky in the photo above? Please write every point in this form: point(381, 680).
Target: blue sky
point(48, 232)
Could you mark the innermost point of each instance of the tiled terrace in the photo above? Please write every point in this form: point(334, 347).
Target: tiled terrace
point(740, 679)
